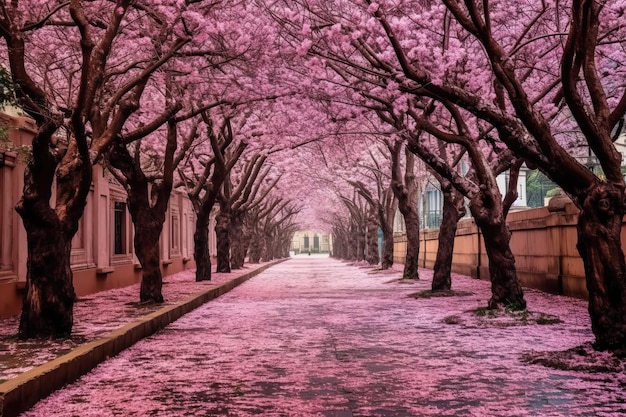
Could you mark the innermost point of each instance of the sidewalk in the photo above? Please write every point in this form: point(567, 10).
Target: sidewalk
point(105, 323)
point(319, 337)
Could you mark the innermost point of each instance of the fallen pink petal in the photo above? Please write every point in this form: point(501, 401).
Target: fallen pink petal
point(314, 336)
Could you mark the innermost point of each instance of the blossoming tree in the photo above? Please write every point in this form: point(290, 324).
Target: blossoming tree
point(75, 77)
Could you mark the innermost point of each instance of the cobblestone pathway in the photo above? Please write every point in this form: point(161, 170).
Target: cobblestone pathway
point(318, 337)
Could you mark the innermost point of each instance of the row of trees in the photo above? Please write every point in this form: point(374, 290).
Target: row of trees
point(163, 96)
point(461, 80)
point(203, 94)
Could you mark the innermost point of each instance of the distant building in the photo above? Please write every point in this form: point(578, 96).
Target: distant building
point(306, 241)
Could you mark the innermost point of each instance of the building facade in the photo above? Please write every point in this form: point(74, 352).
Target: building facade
point(430, 202)
point(310, 241)
point(102, 251)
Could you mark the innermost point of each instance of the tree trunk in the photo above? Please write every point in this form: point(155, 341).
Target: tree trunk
point(387, 252)
point(386, 211)
point(599, 244)
point(267, 248)
point(453, 211)
point(201, 247)
point(239, 244)
point(276, 249)
point(222, 231)
point(411, 263)
point(505, 286)
point(405, 190)
point(256, 248)
point(342, 244)
point(489, 214)
point(147, 234)
point(351, 245)
point(147, 207)
point(360, 244)
point(47, 309)
point(372, 240)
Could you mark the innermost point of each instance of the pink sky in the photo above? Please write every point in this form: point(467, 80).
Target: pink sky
point(318, 337)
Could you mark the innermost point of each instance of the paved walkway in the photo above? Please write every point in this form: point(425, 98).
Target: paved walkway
point(318, 337)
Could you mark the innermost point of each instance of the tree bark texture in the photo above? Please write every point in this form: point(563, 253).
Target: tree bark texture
point(222, 232)
point(147, 234)
point(256, 248)
point(386, 213)
point(147, 219)
point(47, 310)
point(339, 244)
point(268, 248)
point(453, 211)
point(373, 257)
point(411, 263)
point(352, 244)
point(360, 244)
point(506, 289)
point(201, 247)
point(239, 242)
point(387, 252)
point(599, 244)
point(404, 187)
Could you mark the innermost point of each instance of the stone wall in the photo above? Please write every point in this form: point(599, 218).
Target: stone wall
point(543, 242)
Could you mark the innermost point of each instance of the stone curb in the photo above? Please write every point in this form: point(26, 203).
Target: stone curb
point(22, 392)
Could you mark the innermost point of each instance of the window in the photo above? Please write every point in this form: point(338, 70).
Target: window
point(306, 242)
point(434, 204)
point(316, 243)
point(175, 236)
point(119, 228)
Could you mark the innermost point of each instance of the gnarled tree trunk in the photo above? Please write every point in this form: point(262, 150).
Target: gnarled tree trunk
point(506, 289)
point(147, 219)
point(360, 244)
point(351, 246)
point(47, 310)
point(453, 211)
point(599, 244)
point(268, 247)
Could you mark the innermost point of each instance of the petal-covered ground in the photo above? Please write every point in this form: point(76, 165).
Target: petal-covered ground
point(317, 337)
point(96, 315)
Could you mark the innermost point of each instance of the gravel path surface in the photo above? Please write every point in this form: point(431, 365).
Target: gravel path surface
point(318, 337)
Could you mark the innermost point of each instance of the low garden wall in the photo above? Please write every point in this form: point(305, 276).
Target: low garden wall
point(543, 242)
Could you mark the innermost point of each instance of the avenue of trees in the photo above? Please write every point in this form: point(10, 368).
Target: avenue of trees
point(277, 116)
